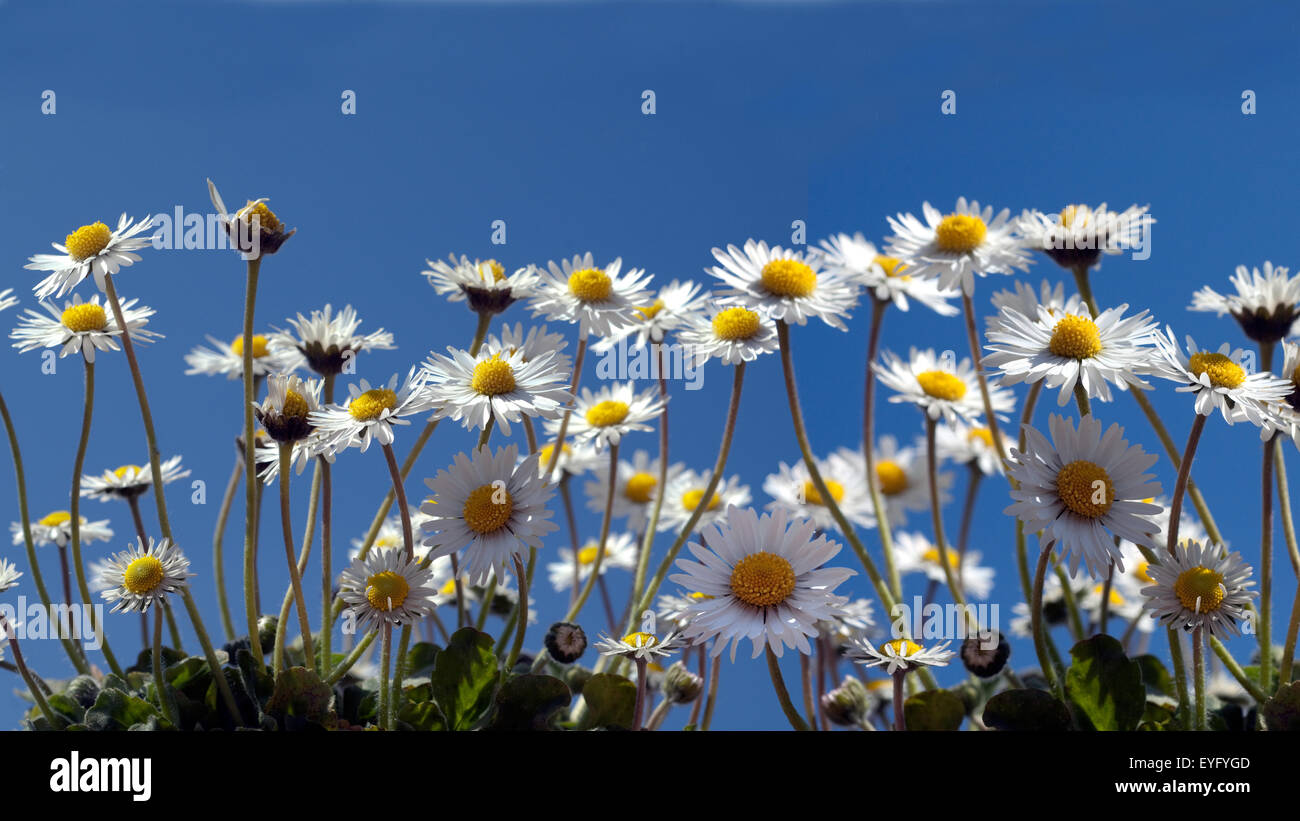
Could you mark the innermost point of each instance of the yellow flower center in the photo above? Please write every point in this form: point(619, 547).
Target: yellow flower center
point(372, 404)
point(892, 477)
point(1116, 600)
point(1076, 337)
point(736, 324)
point(941, 385)
point(1222, 371)
point(762, 579)
point(1199, 589)
point(1072, 212)
point(691, 500)
point(959, 233)
point(387, 590)
point(902, 647)
point(295, 406)
point(87, 241)
point(266, 219)
point(788, 278)
point(488, 508)
point(85, 317)
point(932, 556)
point(58, 517)
point(587, 555)
point(259, 346)
point(604, 414)
point(491, 266)
point(980, 435)
point(640, 639)
point(1085, 488)
point(590, 284)
point(143, 575)
point(651, 311)
point(640, 488)
point(812, 497)
point(493, 376)
point(891, 265)
point(124, 469)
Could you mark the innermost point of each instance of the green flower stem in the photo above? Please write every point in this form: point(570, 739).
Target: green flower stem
point(521, 609)
point(399, 672)
point(1288, 650)
point(462, 613)
point(566, 498)
point(639, 709)
point(578, 357)
point(1106, 587)
point(648, 538)
point(1036, 619)
point(326, 560)
point(7, 630)
point(1198, 675)
point(487, 433)
point(174, 631)
point(218, 556)
point(1022, 550)
point(900, 722)
point(1180, 677)
point(352, 658)
point(304, 553)
point(250, 466)
point(1081, 399)
point(159, 680)
point(1284, 505)
point(974, 477)
point(972, 337)
point(210, 654)
point(712, 700)
point(936, 515)
point(1072, 615)
point(295, 578)
point(486, 604)
point(1266, 568)
point(1180, 484)
point(704, 676)
point(878, 307)
point(386, 665)
point(782, 694)
point(660, 713)
point(1230, 664)
point(576, 607)
point(805, 680)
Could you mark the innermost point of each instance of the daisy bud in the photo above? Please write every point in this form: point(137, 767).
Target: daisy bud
point(847, 705)
point(566, 642)
point(982, 659)
point(681, 686)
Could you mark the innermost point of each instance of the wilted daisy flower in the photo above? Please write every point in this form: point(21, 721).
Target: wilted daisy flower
point(601, 301)
point(7, 299)
point(499, 385)
point(1085, 485)
point(620, 552)
point(940, 386)
point(328, 341)
point(785, 285)
point(1218, 379)
point(900, 655)
point(9, 575)
point(484, 284)
point(603, 417)
point(902, 477)
point(56, 529)
point(685, 493)
point(1078, 235)
point(91, 249)
point(490, 507)
point(634, 493)
point(767, 580)
point(1068, 347)
point(576, 458)
point(1025, 300)
point(371, 413)
point(955, 248)
point(677, 305)
point(884, 277)
point(793, 491)
point(965, 444)
point(1266, 305)
point(129, 481)
point(385, 587)
point(913, 553)
point(732, 335)
point(254, 229)
point(639, 645)
point(142, 576)
point(227, 358)
point(1201, 585)
point(289, 402)
point(81, 327)
point(537, 341)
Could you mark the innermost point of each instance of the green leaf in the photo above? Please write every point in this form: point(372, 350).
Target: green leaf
point(934, 710)
point(611, 701)
point(419, 710)
point(1155, 677)
point(463, 678)
point(301, 698)
point(420, 659)
point(527, 702)
point(66, 708)
point(1282, 711)
point(1025, 710)
point(190, 676)
point(82, 690)
point(118, 710)
point(1105, 684)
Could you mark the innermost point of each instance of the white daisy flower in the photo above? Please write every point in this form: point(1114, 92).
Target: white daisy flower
point(603, 417)
point(677, 609)
point(267, 453)
point(858, 260)
point(857, 618)
point(903, 477)
point(385, 587)
point(1125, 604)
point(940, 386)
point(7, 299)
point(620, 552)
point(1069, 347)
point(1218, 379)
point(677, 305)
point(495, 385)
point(1201, 585)
point(601, 301)
point(290, 400)
point(93, 249)
point(81, 327)
point(227, 358)
point(685, 493)
point(1083, 486)
point(254, 229)
point(390, 536)
point(956, 248)
point(900, 654)
point(328, 341)
point(793, 491)
point(639, 645)
point(371, 413)
point(56, 529)
point(1079, 235)
point(964, 444)
point(484, 284)
point(1025, 300)
point(1265, 305)
point(634, 493)
point(576, 458)
point(732, 335)
point(536, 342)
point(784, 285)
point(129, 481)
point(768, 582)
point(489, 506)
point(142, 576)
point(9, 575)
point(913, 553)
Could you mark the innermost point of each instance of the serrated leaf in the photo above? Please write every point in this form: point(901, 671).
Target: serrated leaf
point(611, 702)
point(527, 702)
point(1105, 684)
point(934, 710)
point(463, 678)
point(1025, 710)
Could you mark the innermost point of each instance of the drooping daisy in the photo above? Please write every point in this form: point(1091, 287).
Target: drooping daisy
point(957, 247)
point(370, 413)
point(965, 444)
point(254, 229)
point(1266, 305)
point(537, 341)
point(484, 284)
point(677, 305)
point(285, 413)
point(56, 529)
point(227, 358)
point(1069, 347)
point(495, 385)
point(639, 645)
point(900, 655)
point(940, 386)
point(902, 477)
point(1201, 585)
point(1078, 235)
point(732, 335)
point(603, 417)
point(636, 484)
point(83, 327)
point(620, 552)
point(329, 341)
point(686, 492)
point(602, 301)
point(92, 249)
point(385, 587)
point(793, 491)
point(1025, 300)
point(767, 579)
point(914, 553)
point(1218, 379)
point(782, 284)
point(490, 507)
point(129, 481)
point(886, 278)
point(142, 576)
point(1081, 485)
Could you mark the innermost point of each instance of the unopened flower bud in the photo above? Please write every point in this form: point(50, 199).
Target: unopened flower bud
point(847, 705)
point(566, 642)
point(680, 685)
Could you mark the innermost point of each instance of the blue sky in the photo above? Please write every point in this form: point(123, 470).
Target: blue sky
point(766, 114)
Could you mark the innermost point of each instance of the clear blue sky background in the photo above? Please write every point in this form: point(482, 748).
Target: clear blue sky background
point(767, 113)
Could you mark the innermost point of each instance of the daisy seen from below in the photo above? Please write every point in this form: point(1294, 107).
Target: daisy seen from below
point(732, 335)
point(793, 491)
point(227, 358)
point(575, 459)
point(1024, 299)
point(385, 587)
point(916, 554)
point(964, 444)
point(285, 413)
point(1081, 485)
point(939, 386)
point(601, 301)
point(536, 341)
point(686, 492)
point(1218, 379)
point(370, 413)
point(496, 386)
point(328, 341)
point(1078, 235)
point(620, 552)
point(490, 508)
point(857, 618)
point(56, 529)
point(91, 250)
point(675, 306)
point(603, 417)
point(955, 248)
point(885, 278)
point(1266, 305)
point(784, 285)
point(129, 481)
point(144, 575)
point(767, 580)
point(1201, 585)
point(637, 485)
point(899, 655)
point(84, 327)
point(639, 645)
point(254, 229)
point(483, 284)
point(901, 477)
